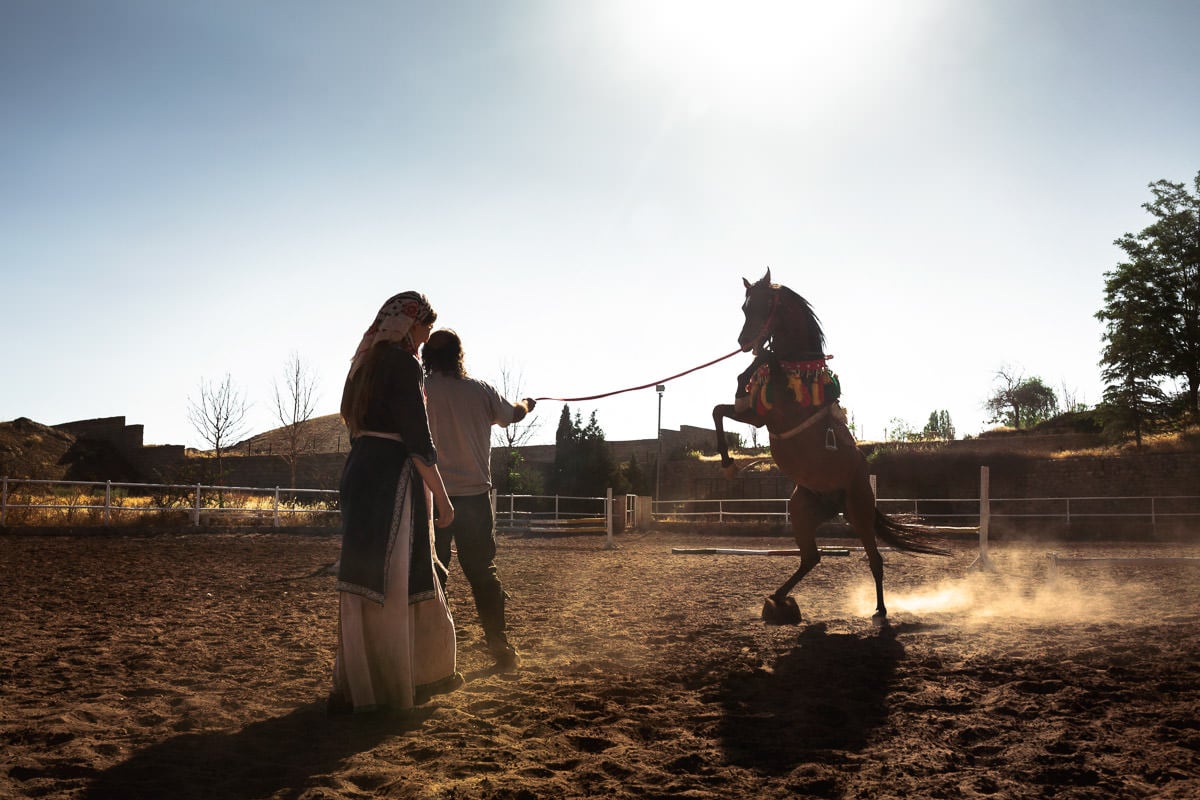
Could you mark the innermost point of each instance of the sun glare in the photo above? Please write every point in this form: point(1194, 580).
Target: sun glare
point(763, 53)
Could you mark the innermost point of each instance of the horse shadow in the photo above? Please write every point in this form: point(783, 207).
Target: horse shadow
point(828, 693)
point(264, 759)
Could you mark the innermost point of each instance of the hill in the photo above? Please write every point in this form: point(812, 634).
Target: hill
point(326, 434)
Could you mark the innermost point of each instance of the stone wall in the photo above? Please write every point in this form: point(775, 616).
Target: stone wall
point(313, 471)
point(153, 463)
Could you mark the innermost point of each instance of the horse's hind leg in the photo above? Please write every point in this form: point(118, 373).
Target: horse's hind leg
point(806, 512)
point(860, 513)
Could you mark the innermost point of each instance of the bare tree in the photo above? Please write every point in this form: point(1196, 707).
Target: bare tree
point(517, 433)
point(513, 436)
point(1071, 401)
point(294, 406)
point(219, 415)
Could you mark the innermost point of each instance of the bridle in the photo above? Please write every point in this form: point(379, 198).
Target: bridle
point(769, 324)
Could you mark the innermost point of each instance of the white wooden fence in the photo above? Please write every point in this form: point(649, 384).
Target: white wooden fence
point(975, 513)
point(89, 502)
point(108, 502)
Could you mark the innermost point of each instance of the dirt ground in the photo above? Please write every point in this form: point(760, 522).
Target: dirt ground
point(197, 665)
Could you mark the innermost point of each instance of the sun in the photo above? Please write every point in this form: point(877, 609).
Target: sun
point(744, 54)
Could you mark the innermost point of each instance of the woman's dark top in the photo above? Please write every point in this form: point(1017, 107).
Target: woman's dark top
point(397, 402)
point(377, 471)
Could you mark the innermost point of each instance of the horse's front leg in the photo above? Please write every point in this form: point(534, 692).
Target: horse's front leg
point(731, 411)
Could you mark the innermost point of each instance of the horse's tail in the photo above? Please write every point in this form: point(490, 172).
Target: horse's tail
point(913, 538)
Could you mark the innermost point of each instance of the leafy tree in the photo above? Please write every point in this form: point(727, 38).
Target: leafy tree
point(640, 482)
point(1020, 402)
point(582, 463)
point(939, 426)
point(1152, 304)
point(898, 430)
point(515, 479)
point(1132, 406)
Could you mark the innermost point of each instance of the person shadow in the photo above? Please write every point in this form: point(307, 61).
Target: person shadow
point(828, 693)
point(277, 756)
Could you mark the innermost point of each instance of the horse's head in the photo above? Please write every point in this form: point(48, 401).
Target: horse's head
point(762, 299)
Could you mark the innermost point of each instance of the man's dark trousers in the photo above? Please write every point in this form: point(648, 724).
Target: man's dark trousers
point(473, 534)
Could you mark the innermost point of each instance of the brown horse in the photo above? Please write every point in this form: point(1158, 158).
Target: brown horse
point(789, 390)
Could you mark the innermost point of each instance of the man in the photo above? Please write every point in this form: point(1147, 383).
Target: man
point(462, 411)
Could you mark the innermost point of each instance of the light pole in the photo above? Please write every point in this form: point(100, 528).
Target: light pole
point(658, 461)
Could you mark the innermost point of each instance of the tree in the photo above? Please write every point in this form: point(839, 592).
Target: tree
point(1020, 402)
point(753, 436)
point(638, 479)
point(1071, 404)
point(898, 430)
point(939, 426)
point(515, 479)
point(582, 463)
point(565, 437)
point(294, 406)
point(1152, 302)
point(511, 479)
point(1132, 406)
point(218, 414)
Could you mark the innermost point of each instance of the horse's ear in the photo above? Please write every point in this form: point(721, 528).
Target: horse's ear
point(767, 278)
point(747, 284)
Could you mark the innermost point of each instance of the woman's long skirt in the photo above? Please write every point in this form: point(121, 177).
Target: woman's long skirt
point(398, 652)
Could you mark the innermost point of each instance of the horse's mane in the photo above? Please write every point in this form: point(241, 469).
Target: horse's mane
point(796, 306)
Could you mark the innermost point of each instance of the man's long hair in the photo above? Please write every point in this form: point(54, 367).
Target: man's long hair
point(443, 354)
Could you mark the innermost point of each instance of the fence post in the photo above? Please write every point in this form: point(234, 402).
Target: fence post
point(3, 501)
point(196, 513)
point(608, 519)
point(556, 508)
point(276, 506)
point(985, 513)
point(1153, 518)
point(107, 501)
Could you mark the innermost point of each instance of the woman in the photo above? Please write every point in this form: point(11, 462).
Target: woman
point(395, 634)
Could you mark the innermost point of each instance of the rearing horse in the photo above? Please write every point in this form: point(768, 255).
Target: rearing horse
point(789, 390)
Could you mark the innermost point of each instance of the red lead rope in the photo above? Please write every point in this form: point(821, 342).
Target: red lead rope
point(643, 386)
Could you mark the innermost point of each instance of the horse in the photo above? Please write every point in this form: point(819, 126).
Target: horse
point(789, 389)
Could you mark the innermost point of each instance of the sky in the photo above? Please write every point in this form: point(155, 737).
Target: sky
point(195, 190)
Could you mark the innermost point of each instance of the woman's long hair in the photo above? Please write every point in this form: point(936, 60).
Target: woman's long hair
point(356, 392)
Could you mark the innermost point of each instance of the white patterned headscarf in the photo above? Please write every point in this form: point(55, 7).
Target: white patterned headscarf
point(394, 323)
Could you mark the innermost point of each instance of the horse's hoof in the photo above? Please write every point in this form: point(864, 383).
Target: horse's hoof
point(780, 612)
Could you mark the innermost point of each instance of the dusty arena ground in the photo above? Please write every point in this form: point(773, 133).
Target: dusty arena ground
point(196, 666)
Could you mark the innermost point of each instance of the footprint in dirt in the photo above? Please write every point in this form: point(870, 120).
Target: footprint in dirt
point(591, 744)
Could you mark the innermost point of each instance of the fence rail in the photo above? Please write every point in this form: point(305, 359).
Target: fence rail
point(109, 502)
point(106, 503)
point(951, 512)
